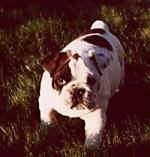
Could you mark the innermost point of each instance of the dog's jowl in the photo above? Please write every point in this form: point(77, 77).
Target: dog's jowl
point(79, 80)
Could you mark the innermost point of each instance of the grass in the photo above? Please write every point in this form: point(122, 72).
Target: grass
point(22, 48)
point(127, 138)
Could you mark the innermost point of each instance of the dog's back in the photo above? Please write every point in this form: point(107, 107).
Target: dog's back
point(107, 49)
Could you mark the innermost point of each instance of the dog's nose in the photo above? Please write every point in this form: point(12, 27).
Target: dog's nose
point(78, 92)
point(77, 96)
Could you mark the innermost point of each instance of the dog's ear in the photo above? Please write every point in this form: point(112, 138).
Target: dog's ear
point(52, 62)
point(48, 62)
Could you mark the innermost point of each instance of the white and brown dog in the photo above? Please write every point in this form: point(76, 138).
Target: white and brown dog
point(80, 80)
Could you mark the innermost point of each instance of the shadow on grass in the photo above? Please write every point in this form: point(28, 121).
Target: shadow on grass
point(138, 150)
point(133, 99)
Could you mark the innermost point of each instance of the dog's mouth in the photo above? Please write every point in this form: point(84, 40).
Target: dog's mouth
point(81, 99)
point(83, 105)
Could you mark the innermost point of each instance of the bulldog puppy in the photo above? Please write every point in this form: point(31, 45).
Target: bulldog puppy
point(79, 80)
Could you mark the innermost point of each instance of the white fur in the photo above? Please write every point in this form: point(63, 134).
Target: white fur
point(109, 83)
point(98, 24)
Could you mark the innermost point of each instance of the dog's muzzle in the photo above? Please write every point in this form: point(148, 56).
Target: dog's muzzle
point(81, 99)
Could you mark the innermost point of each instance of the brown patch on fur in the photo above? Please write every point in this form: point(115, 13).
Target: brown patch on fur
point(99, 41)
point(57, 65)
point(54, 61)
point(100, 31)
point(62, 75)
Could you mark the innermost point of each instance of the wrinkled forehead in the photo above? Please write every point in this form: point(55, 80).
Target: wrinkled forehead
point(80, 67)
point(69, 65)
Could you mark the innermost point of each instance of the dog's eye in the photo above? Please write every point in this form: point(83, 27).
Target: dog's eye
point(91, 80)
point(61, 81)
point(58, 83)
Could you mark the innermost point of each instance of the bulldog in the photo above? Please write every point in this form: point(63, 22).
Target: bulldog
point(79, 80)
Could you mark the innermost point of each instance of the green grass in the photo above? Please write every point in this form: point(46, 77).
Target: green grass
point(129, 137)
point(22, 47)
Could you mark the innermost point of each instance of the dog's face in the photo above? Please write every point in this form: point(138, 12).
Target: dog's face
point(75, 79)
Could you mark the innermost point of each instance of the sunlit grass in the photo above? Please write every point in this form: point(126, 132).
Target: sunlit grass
point(33, 140)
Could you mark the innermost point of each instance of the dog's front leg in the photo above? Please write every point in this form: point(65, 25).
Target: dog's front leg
point(45, 115)
point(94, 124)
point(49, 115)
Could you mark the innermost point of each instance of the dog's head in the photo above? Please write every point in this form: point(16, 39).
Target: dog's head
point(75, 78)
